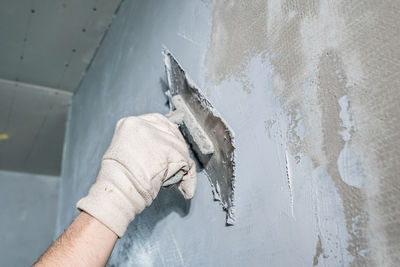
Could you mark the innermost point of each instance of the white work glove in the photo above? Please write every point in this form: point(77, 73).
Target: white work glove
point(144, 153)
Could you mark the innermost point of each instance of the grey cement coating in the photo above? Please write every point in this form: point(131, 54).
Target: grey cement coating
point(310, 89)
point(28, 205)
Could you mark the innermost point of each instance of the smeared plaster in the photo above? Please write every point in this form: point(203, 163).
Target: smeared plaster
point(350, 167)
point(349, 163)
point(238, 33)
point(314, 187)
point(318, 252)
point(322, 54)
point(345, 116)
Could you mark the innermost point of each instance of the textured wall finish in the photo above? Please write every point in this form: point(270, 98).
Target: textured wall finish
point(310, 90)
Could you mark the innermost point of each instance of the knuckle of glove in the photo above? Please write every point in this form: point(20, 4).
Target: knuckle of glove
point(144, 146)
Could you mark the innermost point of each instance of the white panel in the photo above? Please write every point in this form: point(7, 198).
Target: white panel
point(34, 117)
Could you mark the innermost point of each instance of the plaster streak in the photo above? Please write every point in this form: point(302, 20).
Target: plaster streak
point(345, 117)
point(318, 252)
point(315, 185)
point(349, 163)
point(187, 38)
point(177, 249)
point(331, 221)
point(289, 181)
point(350, 167)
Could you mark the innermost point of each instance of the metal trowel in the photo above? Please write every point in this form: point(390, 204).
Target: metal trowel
point(205, 131)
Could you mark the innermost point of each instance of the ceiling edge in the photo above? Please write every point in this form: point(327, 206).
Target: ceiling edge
point(34, 86)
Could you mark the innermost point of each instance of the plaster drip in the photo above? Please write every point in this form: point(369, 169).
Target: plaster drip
point(289, 181)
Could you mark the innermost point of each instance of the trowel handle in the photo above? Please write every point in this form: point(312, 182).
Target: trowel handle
point(176, 116)
point(192, 131)
point(196, 136)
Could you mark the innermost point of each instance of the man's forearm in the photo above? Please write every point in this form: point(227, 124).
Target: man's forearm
point(86, 242)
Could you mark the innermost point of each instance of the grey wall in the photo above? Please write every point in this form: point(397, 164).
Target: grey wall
point(28, 206)
point(310, 90)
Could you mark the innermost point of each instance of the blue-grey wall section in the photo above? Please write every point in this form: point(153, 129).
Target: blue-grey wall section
point(28, 205)
point(290, 79)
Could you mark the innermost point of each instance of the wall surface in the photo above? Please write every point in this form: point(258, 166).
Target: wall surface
point(28, 205)
point(310, 89)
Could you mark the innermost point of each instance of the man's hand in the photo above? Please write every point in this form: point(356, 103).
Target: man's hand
point(144, 153)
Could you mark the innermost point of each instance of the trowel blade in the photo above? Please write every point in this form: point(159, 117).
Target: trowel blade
point(220, 166)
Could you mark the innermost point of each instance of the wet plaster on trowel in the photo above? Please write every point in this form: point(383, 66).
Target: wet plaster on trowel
point(217, 140)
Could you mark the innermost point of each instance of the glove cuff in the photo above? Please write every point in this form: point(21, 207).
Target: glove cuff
point(108, 205)
point(114, 200)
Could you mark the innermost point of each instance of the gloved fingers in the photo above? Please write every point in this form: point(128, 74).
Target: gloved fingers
point(168, 172)
point(174, 179)
point(162, 123)
point(174, 168)
point(187, 186)
point(154, 120)
point(144, 126)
